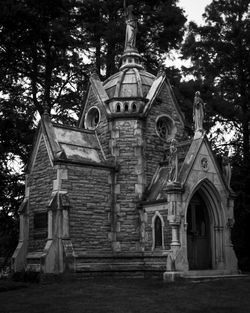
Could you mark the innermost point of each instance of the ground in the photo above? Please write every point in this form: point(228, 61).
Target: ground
point(128, 296)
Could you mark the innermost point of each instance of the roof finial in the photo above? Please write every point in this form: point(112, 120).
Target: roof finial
point(131, 28)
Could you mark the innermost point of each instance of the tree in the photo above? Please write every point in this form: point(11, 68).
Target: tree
point(160, 29)
point(220, 55)
point(40, 70)
point(39, 52)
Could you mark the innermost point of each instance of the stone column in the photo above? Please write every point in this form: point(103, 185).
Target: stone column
point(65, 228)
point(219, 256)
point(174, 191)
point(19, 256)
point(50, 224)
point(174, 222)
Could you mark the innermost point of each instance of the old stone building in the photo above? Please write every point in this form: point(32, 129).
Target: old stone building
point(127, 190)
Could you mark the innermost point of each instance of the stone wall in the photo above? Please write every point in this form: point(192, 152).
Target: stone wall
point(40, 181)
point(127, 147)
point(154, 145)
point(89, 191)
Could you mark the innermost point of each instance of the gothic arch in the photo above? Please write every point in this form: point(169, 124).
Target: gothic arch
point(157, 215)
point(212, 200)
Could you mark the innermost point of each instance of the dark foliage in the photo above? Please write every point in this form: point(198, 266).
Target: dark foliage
point(220, 54)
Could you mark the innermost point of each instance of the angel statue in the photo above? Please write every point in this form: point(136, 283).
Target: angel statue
point(131, 29)
point(198, 112)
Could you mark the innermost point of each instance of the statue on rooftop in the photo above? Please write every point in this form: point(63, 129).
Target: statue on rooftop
point(131, 29)
point(198, 112)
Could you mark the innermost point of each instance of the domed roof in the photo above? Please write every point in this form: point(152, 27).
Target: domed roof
point(130, 82)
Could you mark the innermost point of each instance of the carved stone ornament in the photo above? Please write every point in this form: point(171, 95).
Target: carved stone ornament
point(204, 164)
point(230, 223)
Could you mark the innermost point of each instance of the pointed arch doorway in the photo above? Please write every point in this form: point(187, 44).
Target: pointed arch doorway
point(198, 234)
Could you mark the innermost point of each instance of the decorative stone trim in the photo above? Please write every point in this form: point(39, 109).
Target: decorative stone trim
point(165, 127)
point(92, 118)
point(204, 164)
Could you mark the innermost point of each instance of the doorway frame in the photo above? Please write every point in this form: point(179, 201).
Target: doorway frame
point(216, 215)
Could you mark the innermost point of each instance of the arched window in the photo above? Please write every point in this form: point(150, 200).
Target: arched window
point(126, 107)
point(134, 108)
point(158, 232)
point(118, 107)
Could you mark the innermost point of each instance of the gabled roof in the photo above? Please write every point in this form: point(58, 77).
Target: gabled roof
point(69, 144)
point(191, 157)
point(95, 86)
point(78, 145)
point(191, 151)
point(155, 90)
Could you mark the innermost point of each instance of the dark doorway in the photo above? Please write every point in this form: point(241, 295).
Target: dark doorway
point(198, 235)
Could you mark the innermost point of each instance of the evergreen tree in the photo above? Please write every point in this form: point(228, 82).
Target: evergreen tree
point(160, 29)
point(39, 52)
point(40, 69)
point(220, 53)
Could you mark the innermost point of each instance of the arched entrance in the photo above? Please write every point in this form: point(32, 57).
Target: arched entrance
point(198, 234)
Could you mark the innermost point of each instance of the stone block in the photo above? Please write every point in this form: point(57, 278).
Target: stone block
point(117, 189)
point(170, 277)
point(138, 188)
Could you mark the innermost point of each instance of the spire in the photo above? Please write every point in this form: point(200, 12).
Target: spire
point(131, 56)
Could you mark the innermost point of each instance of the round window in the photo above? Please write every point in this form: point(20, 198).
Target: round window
point(92, 118)
point(165, 127)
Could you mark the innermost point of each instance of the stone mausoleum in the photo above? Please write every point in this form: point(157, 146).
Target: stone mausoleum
point(127, 190)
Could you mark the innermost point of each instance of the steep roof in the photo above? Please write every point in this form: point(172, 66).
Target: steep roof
point(130, 82)
point(79, 145)
point(70, 144)
point(187, 155)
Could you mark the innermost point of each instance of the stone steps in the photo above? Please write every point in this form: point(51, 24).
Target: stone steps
point(204, 275)
point(119, 263)
point(33, 260)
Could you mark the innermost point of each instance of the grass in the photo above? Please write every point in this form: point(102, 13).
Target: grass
point(129, 296)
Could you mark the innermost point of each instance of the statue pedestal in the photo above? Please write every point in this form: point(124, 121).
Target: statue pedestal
point(170, 277)
point(198, 134)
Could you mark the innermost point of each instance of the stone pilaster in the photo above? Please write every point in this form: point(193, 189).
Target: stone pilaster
point(19, 256)
point(174, 191)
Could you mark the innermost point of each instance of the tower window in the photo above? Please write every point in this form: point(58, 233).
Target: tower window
point(92, 118)
point(126, 107)
point(134, 108)
point(158, 232)
point(118, 107)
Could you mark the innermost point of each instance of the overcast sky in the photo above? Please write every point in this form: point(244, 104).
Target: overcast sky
point(194, 9)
